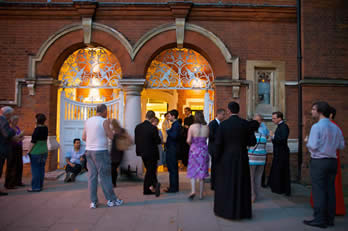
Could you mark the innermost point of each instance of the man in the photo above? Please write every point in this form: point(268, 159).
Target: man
point(188, 121)
point(73, 160)
point(96, 133)
point(263, 130)
point(279, 178)
point(324, 139)
point(213, 126)
point(146, 141)
point(232, 177)
point(171, 158)
point(6, 136)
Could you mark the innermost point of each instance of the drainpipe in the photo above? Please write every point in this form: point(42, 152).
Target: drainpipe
point(299, 78)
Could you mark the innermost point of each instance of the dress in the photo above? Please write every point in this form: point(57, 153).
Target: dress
point(198, 162)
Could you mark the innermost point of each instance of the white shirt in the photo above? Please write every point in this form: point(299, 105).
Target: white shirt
point(96, 139)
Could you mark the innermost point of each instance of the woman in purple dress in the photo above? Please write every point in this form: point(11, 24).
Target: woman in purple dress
point(198, 162)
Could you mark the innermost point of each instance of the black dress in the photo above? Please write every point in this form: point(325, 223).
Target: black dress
point(279, 178)
point(232, 175)
point(116, 158)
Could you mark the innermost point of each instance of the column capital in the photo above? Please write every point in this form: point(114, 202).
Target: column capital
point(133, 86)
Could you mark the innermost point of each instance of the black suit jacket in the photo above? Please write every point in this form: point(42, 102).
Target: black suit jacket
point(146, 141)
point(232, 138)
point(213, 126)
point(280, 141)
point(189, 120)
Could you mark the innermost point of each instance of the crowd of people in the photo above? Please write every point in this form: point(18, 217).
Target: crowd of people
point(235, 146)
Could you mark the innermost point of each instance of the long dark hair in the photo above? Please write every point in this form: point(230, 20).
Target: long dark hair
point(199, 118)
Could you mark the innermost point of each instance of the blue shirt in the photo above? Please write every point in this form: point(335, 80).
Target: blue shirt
point(263, 129)
point(75, 156)
point(324, 139)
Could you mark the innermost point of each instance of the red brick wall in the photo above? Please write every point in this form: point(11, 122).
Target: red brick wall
point(325, 38)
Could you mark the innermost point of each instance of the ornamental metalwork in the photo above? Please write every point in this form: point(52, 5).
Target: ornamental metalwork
point(91, 68)
point(179, 69)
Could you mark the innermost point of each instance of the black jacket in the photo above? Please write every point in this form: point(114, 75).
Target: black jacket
point(213, 126)
point(146, 141)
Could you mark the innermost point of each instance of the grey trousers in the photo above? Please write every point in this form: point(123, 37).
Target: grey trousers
point(255, 179)
point(323, 173)
point(99, 163)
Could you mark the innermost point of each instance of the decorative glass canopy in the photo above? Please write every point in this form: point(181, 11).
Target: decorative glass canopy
point(179, 69)
point(91, 68)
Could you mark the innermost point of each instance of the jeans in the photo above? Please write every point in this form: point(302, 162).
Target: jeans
point(172, 165)
point(37, 164)
point(99, 163)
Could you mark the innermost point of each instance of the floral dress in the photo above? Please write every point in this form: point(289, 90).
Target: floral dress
point(198, 162)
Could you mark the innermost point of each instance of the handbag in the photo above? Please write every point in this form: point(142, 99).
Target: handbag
point(123, 141)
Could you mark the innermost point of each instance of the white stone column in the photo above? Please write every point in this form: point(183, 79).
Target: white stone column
point(132, 118)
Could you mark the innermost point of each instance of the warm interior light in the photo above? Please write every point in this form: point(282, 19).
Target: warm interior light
point(94, 93)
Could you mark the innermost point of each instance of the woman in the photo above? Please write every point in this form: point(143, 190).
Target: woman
point(38, 153)
point(198, 162)
point(257, 160)
point(116, 154)
point(14, 167)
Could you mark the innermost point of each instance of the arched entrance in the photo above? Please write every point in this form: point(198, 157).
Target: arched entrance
point(179, 78)
point(89, 76)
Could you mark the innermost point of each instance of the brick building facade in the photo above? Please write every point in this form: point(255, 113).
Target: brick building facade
point(239, 38)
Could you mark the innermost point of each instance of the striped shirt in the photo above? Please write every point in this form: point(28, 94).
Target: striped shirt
point(257, 154)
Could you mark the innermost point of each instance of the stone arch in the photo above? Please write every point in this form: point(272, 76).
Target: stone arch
point(65, 34)
point(189, 27)
point(193, 40)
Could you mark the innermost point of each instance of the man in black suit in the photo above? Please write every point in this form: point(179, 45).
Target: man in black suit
point(213, 126)
point(279, 178)
point(146, 141)
point(232, 176)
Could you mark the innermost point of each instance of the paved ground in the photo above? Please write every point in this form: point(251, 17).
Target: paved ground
point(65, 207)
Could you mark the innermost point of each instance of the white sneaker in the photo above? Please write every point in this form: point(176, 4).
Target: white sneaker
point(117, 202)
point(93, 205)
